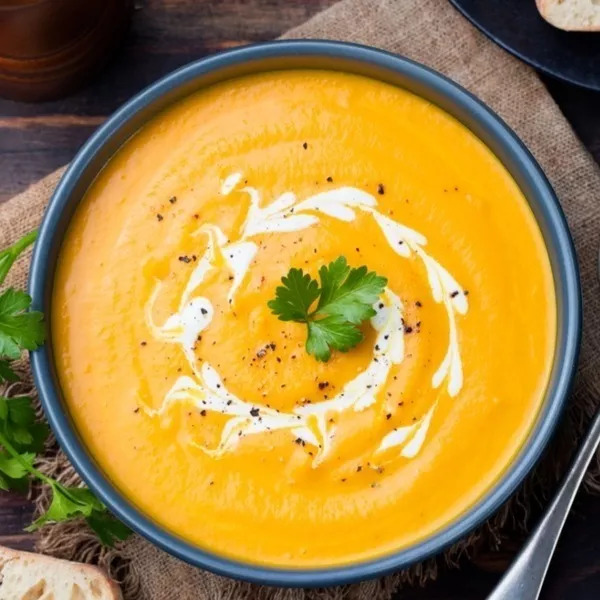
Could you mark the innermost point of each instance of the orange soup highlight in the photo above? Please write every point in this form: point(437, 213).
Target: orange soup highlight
point(206, 410)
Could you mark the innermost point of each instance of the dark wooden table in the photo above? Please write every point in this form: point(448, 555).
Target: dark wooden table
point(35, 139)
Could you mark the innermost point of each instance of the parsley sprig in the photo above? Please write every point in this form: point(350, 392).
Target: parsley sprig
point(22, 437)
point(345, 299)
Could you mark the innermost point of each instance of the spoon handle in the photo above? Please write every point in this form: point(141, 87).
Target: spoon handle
point(525, 577)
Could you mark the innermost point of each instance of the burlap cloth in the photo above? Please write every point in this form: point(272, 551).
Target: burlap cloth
point(431, 32)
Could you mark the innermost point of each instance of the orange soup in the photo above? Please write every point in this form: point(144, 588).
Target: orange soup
point(207, 411)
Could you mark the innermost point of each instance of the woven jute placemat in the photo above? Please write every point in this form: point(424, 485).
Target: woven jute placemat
point(431, 32)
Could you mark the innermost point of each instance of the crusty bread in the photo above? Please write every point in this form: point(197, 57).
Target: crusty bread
point(571, 15)
point(27, 576)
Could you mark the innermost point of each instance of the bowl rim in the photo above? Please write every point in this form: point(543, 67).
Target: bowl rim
point(564, 364)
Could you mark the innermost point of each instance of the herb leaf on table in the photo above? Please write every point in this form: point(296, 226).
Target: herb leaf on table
point(6, 373)
point(22, 436)
point(19, 330)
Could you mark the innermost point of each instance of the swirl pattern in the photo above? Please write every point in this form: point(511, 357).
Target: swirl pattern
point(309, 424)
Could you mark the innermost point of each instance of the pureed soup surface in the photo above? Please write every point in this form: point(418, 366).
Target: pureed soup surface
point(207, 411)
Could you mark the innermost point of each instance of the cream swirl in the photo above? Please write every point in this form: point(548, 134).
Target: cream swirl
point(310, 423)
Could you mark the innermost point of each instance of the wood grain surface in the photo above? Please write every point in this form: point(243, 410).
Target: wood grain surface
point(35, 139)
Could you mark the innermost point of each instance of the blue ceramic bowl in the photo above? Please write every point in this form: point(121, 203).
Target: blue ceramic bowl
point(314, 55)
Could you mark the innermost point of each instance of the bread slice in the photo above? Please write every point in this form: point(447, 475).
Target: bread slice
point(571, 15)
point(27, 576)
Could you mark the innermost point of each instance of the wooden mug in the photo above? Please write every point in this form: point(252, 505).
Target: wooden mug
point(48, 48)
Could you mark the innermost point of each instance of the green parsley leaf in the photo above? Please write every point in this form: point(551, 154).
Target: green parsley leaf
point(65, 504)
point(18, 424)
point(13, 303)
point(293, 300)
point(21, 435)
point(75, 502)
point(6, 373)
point(108, 529)
point(20, 410)
point(16, 468)
point(16, 485)
point(345, 299)
point(331, 332)
point(31, 438)
point(332, 276)
point(349, 293)
point(18, 329)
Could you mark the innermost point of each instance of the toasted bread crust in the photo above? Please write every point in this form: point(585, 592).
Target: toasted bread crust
point(570, 15)
point(25, 574)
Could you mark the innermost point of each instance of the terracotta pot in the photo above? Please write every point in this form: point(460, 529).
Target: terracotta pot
point(48, 48)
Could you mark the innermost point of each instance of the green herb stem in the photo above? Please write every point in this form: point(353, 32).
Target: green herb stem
point(10, 254)
point(22, 244)
point(30, 469)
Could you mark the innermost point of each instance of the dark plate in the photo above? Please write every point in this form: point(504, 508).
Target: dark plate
point(518, 27)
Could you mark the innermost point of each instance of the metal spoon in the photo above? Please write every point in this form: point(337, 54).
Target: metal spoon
point(524, 579)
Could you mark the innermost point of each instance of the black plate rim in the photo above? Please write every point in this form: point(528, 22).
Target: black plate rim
point(532, 62)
